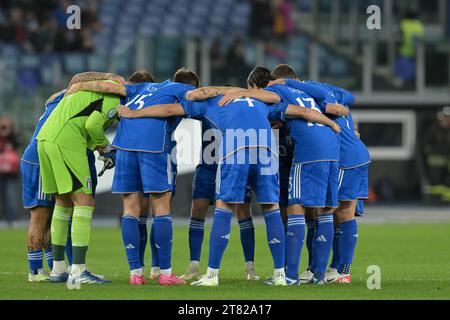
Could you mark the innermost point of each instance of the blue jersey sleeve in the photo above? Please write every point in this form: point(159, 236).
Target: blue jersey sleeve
point(58, 98)
point(132, 89)
point(180, 90)
point(273, 88)
point(329, 96)
point(315, 91)
point(194, 109)
point(277, 110)
point(346, 98)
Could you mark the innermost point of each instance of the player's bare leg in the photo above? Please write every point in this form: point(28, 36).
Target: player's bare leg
point(346, 211)
point(243, 212)
point(132, 204)
point(37, 240)
point(346, 214)
point(199, 210)
point(227, 206)
point(48, 243)
point(163, 237)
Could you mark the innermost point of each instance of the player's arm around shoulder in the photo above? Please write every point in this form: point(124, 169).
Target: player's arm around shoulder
point(204, 93)
point(310, 115)
point(336, 109)
point(314, 90)
point(94, 76)
point(102, 86)
point(262, 95)
point(155, 111)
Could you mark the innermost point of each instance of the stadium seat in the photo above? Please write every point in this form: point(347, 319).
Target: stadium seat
point(97, 62)
point(74, 62)
point(124, 62)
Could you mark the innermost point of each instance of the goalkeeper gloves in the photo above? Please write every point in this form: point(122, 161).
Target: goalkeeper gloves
point(109, 160)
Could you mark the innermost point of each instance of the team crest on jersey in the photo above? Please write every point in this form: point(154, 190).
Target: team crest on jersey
point(112, 113)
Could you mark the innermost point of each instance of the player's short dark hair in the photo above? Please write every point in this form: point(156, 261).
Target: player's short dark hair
point(186, 76)
point(259, 77)
point(284, 71)
point(141, 76)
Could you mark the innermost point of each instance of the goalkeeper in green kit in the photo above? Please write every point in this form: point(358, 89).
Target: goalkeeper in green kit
point(77, 123)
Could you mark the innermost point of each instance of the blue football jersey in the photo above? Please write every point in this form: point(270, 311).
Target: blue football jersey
point(353, 152)
point(313, 142)
point(343, 96)
point(243, 123)
point(210, 132)
point(31, 153)
point(150, 134)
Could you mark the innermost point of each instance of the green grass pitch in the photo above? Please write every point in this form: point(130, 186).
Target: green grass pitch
point(414, 261)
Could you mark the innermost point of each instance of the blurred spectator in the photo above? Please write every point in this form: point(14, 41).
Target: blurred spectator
point(436, 150)
point(283, 22)
point(43, 38)
point(68, 41)
point(89, 18)
point(237, 68)
point(60, 13)
point(261, 19)
point(13, 30)
point(412, 31)
point(40, 26)
point(9, 170)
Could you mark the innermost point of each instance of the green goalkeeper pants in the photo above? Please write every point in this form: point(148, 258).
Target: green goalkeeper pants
point(63, 170)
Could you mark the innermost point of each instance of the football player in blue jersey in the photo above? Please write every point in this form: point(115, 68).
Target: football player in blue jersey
point(144, 166)
point(203, 195)
point(354, 160)
point(353, 189)
point(40, 204)
point(313, 177)
point(246, 157)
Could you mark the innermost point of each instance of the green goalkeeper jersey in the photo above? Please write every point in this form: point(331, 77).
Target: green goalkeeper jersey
point(79, 120)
